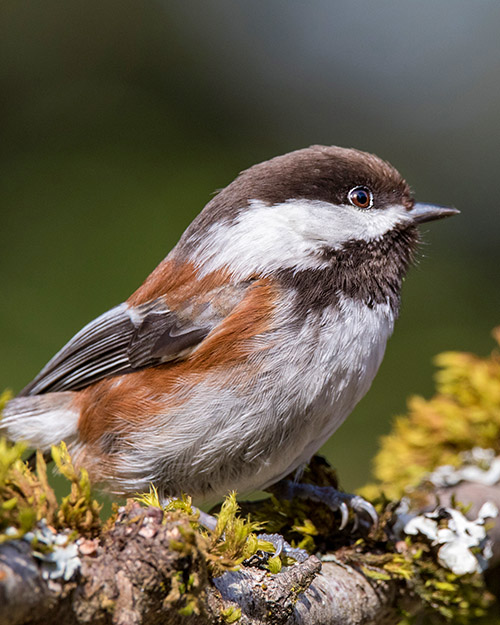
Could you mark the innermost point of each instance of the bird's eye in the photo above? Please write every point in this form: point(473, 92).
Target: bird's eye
point(361, 197)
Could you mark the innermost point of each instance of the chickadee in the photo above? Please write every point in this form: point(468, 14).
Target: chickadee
point(249, 344)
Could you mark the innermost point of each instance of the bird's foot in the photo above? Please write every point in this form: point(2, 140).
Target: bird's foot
point(363, 511)
point(281, 548)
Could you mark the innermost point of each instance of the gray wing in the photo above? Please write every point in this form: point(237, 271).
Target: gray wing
point(121, 340)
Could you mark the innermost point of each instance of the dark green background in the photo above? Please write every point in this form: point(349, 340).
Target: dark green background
point(120, 118)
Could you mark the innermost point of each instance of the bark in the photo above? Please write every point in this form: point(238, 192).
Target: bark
point(149, 569)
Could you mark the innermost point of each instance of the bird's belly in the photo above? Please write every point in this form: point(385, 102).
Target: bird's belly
point(322, 383)
point(269, 416)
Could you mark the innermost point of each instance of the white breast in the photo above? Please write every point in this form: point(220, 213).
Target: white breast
point(327, 372)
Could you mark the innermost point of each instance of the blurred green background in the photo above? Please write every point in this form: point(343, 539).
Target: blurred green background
point(120, 118)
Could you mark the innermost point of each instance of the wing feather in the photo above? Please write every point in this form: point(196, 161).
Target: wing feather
point(121, 340)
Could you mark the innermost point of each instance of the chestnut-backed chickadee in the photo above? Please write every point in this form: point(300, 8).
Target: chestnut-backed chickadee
point(249, 345)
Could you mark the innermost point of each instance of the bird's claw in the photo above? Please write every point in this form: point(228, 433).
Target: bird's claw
point(335, 500)
point(358, 504)
point(344, 514)
point(342, 502)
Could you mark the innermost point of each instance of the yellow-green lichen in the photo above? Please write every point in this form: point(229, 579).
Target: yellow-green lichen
point(445, 597)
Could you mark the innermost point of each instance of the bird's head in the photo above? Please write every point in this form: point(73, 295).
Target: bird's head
point(286, 212)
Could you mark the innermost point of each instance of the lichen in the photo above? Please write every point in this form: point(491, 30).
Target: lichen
point(462, 544)
point(57, 553)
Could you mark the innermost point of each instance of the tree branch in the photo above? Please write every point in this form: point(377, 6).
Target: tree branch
point(152, 567)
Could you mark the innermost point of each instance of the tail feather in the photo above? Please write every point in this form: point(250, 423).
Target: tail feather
point(41, 420)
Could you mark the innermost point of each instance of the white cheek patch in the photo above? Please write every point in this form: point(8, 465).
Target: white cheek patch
point(265, 238)
point(372, 224)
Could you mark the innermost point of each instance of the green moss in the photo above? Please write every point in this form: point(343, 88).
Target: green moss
point(78, 510)
point(306, 524)
point(149, 499)
point(234, 538)
point(26, 496)
point(231, 614)
point(184, 593)
point(464, 413)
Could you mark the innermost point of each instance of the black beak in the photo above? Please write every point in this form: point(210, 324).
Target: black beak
point(429, 212)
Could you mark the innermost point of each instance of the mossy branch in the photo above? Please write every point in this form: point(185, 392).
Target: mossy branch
point(60, 562)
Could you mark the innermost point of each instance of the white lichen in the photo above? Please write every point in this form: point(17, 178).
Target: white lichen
point(478, 465)
point(463, 546)
point(58, 555)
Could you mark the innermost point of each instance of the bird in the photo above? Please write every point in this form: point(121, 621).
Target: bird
point(248, 345)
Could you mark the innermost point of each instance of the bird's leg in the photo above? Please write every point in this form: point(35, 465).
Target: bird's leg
point(209, 522)
point(334, 499)
point(280, 545)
